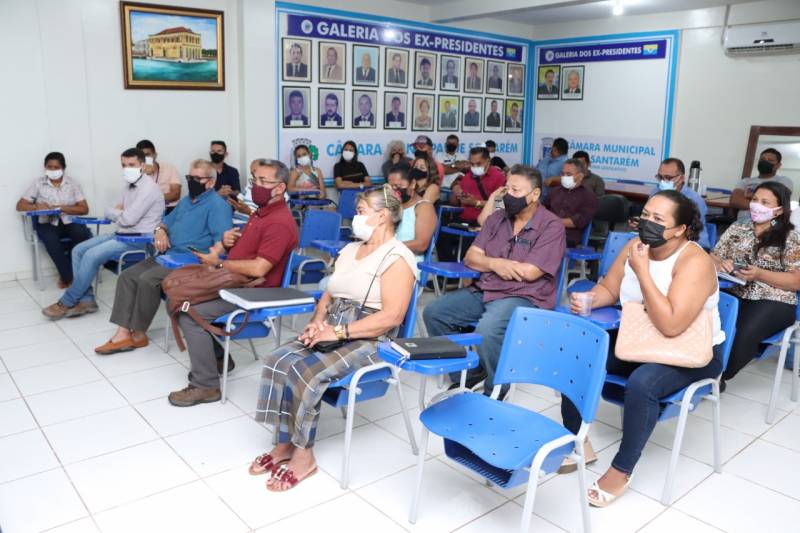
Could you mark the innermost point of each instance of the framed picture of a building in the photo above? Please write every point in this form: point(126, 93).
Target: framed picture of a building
point(167, 47)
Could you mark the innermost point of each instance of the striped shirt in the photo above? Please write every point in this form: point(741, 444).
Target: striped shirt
point(68, 193)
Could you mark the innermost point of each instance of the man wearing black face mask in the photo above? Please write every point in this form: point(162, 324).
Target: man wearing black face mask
point(769, 163)
point(518, 253)
point(452, 166)
point(199, 220)
point(227, 176)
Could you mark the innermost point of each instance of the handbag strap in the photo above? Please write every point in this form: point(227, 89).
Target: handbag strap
point(366, 296)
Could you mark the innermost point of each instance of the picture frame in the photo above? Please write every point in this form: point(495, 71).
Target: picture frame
point(495, 77)
point(332, 72)
point(330, 118)
point(422, 119)
point(366, 66)
point(514, 120)
point(449, 73)
point(360, 119)
point(153, 60)
point(548, 88)
point(474, 84)
point(296, 60)
point(572, 80)
point(296, 107)
point(448, 112)
point(421, 61)
point(515, 85)
point(396, 76)
point(392, 120)
point(469, 122)
point(493, 115)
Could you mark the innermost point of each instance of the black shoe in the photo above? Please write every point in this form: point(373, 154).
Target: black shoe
point(231, 365)
point(722, 385)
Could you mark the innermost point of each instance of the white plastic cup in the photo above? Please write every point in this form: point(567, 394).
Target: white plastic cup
point(584, 301)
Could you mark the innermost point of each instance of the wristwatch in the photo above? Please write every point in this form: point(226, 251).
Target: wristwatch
point(340, 332)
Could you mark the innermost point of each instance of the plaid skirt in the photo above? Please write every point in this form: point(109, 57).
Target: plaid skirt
point(293, 380)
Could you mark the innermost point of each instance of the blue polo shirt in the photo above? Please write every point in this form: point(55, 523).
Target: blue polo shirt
point(228, 176)
point(694, 196)
point(200, 223)
point(551, 166)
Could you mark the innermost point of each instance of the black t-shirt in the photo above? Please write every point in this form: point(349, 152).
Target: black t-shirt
point(498, 162)
point(353, 171)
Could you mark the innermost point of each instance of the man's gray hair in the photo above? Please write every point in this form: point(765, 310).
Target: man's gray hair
point(281, 170)
point(527, 172)
point(208, 167)
point(579, 164)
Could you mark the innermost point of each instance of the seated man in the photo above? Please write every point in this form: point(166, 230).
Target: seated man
point(591, 181)
point(769, 162)
point(164, 174)
point(573, 203)
point(198, 221)
point(518, 253)
point(262, 249)
point(227, 176)
point(550, 166)
point(671, 177)
point(139, 211)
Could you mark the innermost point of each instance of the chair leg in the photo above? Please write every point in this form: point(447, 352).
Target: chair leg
point(253, 349)
point(530, 500)
point(621, 416)
point(582, 489)
point(666, 495)
point(279, 330)
point(423, 382)
point(423, 451)
point(716, 421)
point(348, 433)
point(167, 326)
point(275, 431)
point(795, 370)
point(37, 263)
point(224, 379)
point(343, 410)
point(776, 384)
point(404, 411)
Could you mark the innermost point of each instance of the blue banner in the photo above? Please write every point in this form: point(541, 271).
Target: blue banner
point(392, 35)
point(619, 51)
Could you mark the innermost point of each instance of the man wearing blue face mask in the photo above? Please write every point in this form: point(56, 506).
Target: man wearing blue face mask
point(671, 178)
point(570, 201)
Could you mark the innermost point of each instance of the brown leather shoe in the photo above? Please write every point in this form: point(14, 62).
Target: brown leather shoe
point(56, 311)
point(112, 347)
point(83, 308)
point(192, 395)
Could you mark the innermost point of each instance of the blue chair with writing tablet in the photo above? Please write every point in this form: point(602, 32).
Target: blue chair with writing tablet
point(615, 242)
point(317, 225)
point(790, 337)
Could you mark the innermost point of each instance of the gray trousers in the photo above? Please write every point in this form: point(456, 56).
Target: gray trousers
point(138, 295)
point(201, 345)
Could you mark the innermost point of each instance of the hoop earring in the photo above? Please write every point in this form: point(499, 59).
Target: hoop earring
point(773, 222)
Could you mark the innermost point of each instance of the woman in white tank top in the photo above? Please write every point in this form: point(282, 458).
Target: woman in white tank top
point(667, 271)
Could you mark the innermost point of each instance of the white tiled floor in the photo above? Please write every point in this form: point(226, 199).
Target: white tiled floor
point(89, 444)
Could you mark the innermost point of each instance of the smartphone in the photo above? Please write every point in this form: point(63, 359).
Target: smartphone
point(196, 250)
point(234, 196)
point(739, 265)
point(125, 234)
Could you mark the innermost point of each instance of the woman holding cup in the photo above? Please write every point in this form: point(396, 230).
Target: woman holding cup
point(669, 273)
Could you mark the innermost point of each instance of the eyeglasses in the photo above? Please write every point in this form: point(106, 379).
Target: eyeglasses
point(198, 179)
point(662, 177)
point(256, 181)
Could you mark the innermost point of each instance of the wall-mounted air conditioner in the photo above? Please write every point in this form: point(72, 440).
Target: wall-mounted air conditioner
point(760, 39)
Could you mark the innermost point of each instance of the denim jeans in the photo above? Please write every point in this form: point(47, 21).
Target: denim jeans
point(647, 384)
point(87, 258)
point(465, 307)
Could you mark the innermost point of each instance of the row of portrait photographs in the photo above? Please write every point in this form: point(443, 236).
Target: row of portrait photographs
point(477, 75)
point(454, 113)
point(554, 82)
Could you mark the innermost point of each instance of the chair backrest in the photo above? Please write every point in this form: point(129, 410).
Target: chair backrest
point(287, 273)
point(612, 208)
point(558, 350)
point(728, 311)
point(410, 320)
point(432, 244)
point(615, 242)
point(711, 230)
point(587, 231)
point(319, 225)
point(347, 203)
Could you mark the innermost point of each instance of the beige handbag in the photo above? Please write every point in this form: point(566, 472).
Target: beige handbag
point(639, 341)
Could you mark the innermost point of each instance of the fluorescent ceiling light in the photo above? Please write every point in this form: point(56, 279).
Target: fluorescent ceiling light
point(618, 8)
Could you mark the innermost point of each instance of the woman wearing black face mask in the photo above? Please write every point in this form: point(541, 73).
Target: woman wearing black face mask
point(419, 217)
point(667, 271)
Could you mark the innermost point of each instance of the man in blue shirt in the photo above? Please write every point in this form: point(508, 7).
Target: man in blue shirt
point(550, 166)
point(671, 177)
point(227, 176)
point(198, 221)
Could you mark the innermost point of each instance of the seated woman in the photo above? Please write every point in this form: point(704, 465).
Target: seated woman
point(395, 156)
point(57, 190)
point(765, 253)
point(366, 299)
point(667, 271)
point(427, 185)
point(304, 176)
point(419, 217)
point(349, 172)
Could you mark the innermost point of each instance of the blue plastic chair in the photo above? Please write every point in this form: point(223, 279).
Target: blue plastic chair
point(580, 254)
point(711, 230)
point(631, 182)
point(719, 190)
point(444, 269)
point(508, 444)
point(784, 339)
point(347, 203)
point(317, 225)
point(615, 242)
point(681, 403)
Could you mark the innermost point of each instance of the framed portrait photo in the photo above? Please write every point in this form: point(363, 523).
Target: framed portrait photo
point(395, 106)
point(472, 113)
point(513, 121)
point(296, 107)
point(424, 70)
point(365, 106)
point(473, 75)
point(331, 108)
point(450, 72)
point(296, 59)
point(422, 112)
point(396, 68)
point(448, 113)
point(166, 47)
point(495, 77)
point(572, 82)
point(547, 82)
point(366, 66)
point(516, 80)
point(493, 114)
point(332, 62)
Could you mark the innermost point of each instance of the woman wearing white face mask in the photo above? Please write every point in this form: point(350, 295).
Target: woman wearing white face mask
point(51, 191)
point(349, 172)
point(366, 299)
point(304, 176)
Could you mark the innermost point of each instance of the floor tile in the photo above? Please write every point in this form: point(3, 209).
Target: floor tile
point(243, 391)
point(250, 500)
point(55, 376)
point(397, 427)
point(332, 423)
point(449, 499)
point(74, 402)
point(342, 511)
point(15, 417)
point(152, 383)
point(170, 420)
point(766, 368)
point(94, 323)
point(94, 435)
point(22, 318)
point(13, 293)
point(221, 446)
point(39, 502)
point(769, 466)
point(741, 414)
point(192, 507)
point(127, 475)
point(672, 521)
point(757, 387)
point(736, 505)
point(129, 362)
point(507, 518)
point(84, 525)
point(40, 354)
point(30, 335)
point(11, 306)
point(8, 390)
point(25, 454)
point(785, 432)
point(698, 440)
point(384, 406)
